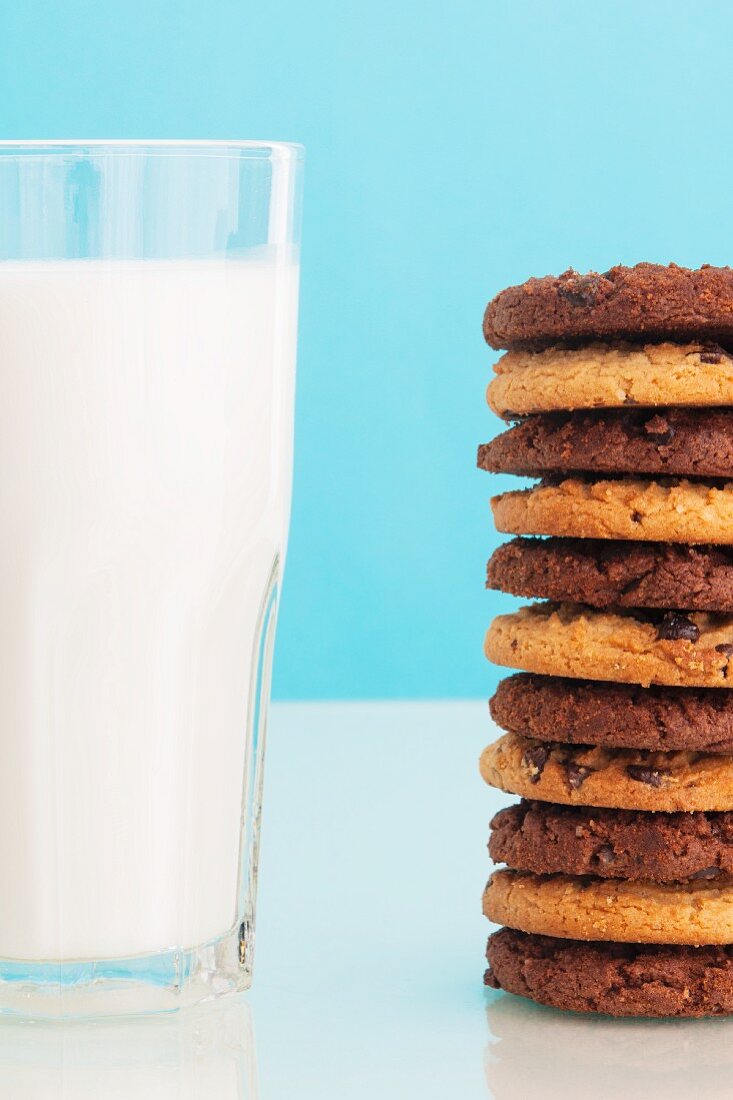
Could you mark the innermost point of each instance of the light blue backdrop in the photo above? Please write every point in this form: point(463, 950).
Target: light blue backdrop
point(453, 147)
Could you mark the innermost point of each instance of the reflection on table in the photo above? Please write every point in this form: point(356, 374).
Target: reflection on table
point(204, 1054)
point(536, 1052)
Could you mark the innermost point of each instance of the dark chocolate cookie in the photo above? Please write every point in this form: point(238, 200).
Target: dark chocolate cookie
point(687, 442)
point(611, 978)
point(648, 301)
point(631, 844)
point(606, 573)
point(552, 708)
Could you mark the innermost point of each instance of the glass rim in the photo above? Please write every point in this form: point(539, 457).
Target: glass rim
point(255, 150)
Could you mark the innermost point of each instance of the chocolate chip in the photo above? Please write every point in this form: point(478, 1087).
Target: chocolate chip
point(712, 353)
point(577, 775)
point(676, 628)
point(725, 648)
point(606, 854)
point(514, 643)
point(535, 759)
point(660, 429)
point(653, 777)
point(581, 290)
point(706, 873)
point(636, 517)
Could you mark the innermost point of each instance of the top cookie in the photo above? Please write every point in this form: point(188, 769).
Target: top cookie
point(648, 301)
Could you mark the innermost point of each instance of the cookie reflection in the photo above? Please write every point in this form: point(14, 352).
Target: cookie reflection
point(202, 1055)
point(540, 1053)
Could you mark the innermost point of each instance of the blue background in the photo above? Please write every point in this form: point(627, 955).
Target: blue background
point(453, 148)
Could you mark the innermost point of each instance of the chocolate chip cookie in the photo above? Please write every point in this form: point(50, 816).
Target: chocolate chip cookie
point(578, 840)
point(609, 573)
point(662, 510)
point(612, 978)
point(588, 908)
point(667, 441)
point(638, 647)
point(584, 712)
point(626, 779)
point(648, 301)
point(609, 376)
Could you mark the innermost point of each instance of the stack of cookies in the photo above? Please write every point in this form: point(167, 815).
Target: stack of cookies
point(617, 895)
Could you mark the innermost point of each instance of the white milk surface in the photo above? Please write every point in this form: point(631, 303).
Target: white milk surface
point(145, 462)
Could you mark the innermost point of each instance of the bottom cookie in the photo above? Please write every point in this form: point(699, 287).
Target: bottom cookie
point(612, 978)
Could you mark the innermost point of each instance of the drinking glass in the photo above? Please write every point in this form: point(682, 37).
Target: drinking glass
point(148, 311)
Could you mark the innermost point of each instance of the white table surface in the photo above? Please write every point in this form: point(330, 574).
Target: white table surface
point(370, 952)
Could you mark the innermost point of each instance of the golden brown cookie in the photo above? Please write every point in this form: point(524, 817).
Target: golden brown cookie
point(637, 647)
point(673, 510)
point(584, 908)
point(623, 779)
point(610, 376)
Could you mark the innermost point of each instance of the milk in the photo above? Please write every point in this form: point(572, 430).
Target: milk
point(145, 463)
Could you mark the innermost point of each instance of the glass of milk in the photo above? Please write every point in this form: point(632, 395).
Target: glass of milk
point(148, 309)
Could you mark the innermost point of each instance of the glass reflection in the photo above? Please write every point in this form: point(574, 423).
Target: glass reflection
point(205, 1054)
point(535, 1052)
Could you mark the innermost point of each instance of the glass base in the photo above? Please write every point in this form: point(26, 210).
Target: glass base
point(161, 982)
point(169, 980)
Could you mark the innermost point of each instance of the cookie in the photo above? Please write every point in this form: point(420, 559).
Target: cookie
point(688, 442)
point(623, 508)
point(622, 779)
point(581, 712)
point(648, 300)
point(605, 573)
point(693, 913)
point(610, 376)
point(612, 978)
point(575, 840)
point(639, 647)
